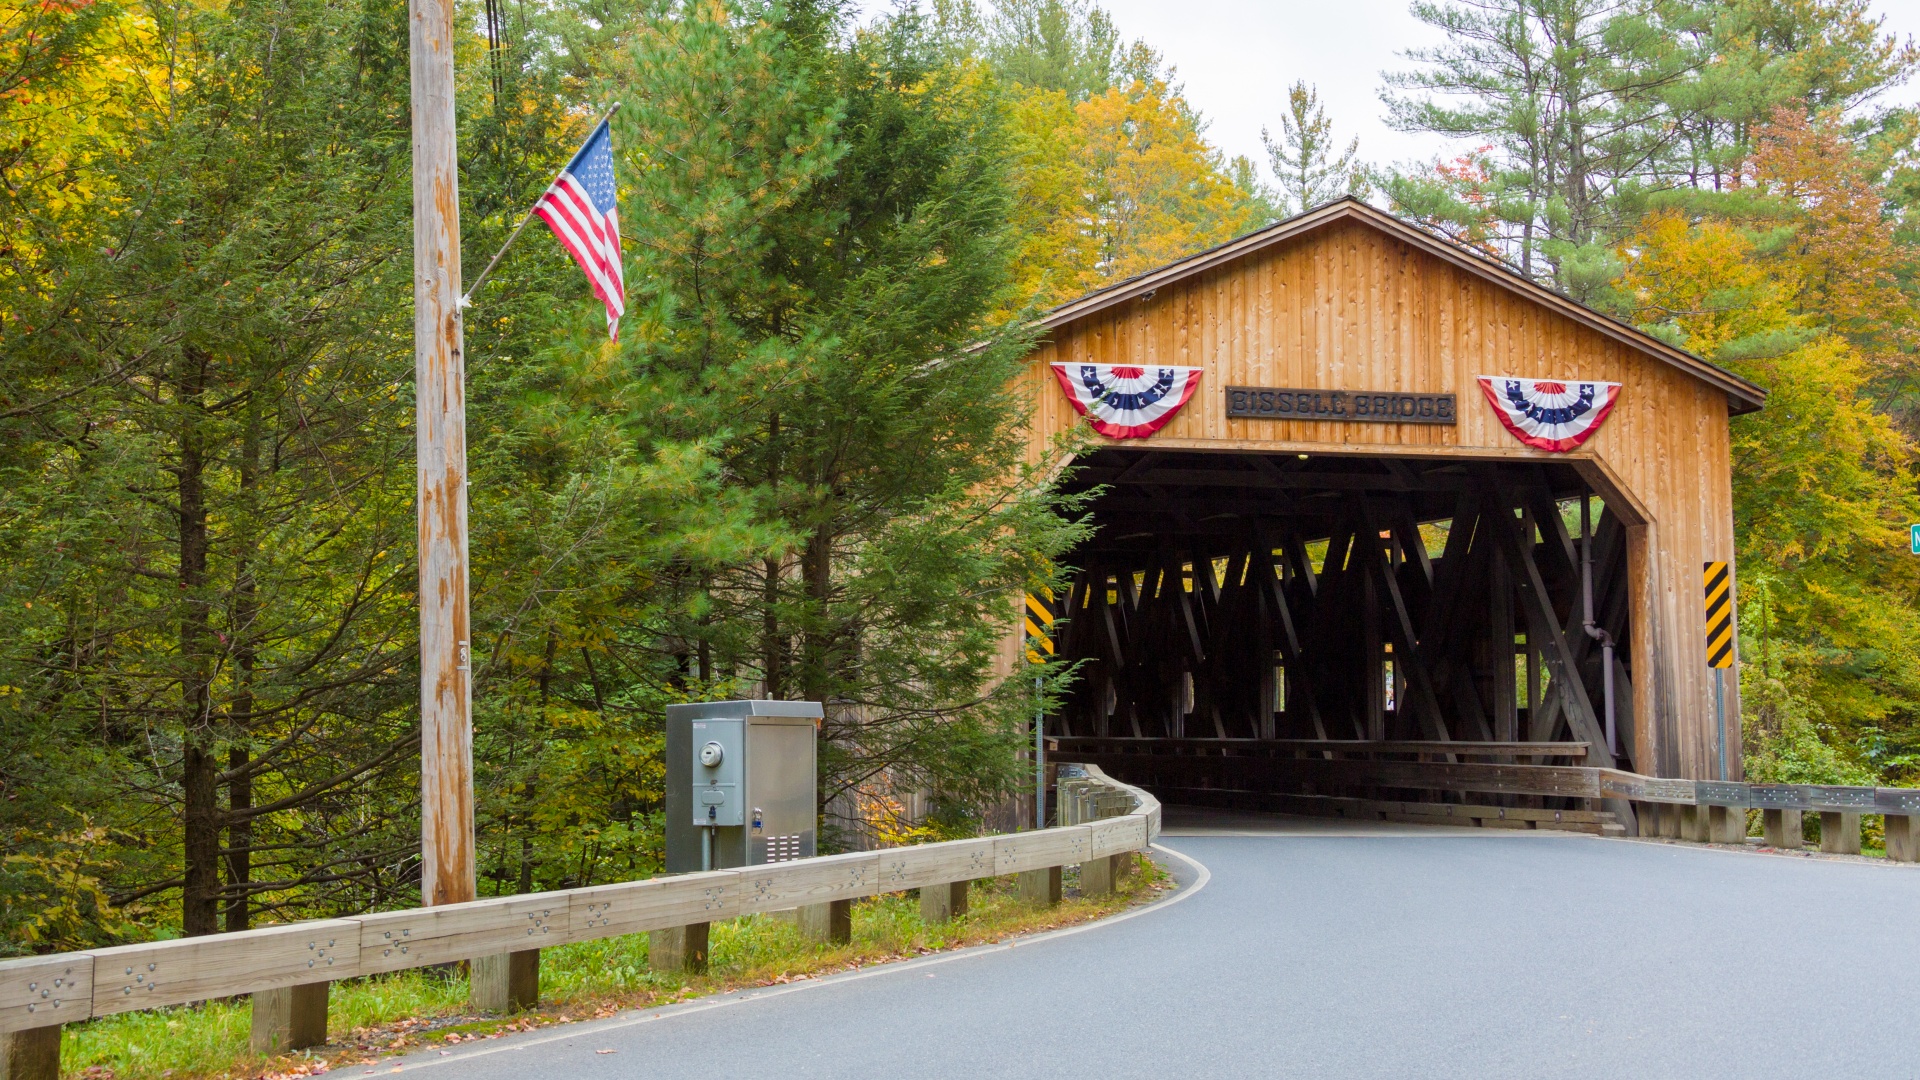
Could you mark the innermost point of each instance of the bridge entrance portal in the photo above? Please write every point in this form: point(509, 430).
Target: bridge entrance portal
point(1244, 621)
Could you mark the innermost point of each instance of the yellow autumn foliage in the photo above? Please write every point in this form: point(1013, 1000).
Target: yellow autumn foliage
point(1823, 486)
point(1113, 186)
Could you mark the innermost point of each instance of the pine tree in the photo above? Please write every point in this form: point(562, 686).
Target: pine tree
point(822, 243)
point(1069, 47)
point(1567, 94)
point(1301, 158)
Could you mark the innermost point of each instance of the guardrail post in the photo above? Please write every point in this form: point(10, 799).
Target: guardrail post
point(831, 922)
point(505, 982)
point(289, 1018)
point(1097, 876)
point(939, 903)
point(1693, 824)
point(1903, 838)
point(1782, 829)
point(33, 1054)
point(1670, 821)
point(1645, 823)
point(1726, 824)
point(1840, 832)
point(1040, 886)
point(679, 948)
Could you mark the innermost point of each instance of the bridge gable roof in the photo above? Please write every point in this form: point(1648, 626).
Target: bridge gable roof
point(1742, 396)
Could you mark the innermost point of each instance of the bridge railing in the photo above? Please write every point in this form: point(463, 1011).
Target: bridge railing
point(288, 967)
point(1092, 795)
point(1700, 810)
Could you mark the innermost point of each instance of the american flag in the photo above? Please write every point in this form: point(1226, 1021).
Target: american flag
point(581, 210)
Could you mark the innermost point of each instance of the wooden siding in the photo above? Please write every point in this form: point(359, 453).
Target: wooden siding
point(1352, 307)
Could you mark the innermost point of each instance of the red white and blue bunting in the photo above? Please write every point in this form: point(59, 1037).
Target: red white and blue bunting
point(1549, 414)
point(1126, 402)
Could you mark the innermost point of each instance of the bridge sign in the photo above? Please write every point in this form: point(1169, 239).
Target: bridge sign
point(1042, 610)
point(1719, 616)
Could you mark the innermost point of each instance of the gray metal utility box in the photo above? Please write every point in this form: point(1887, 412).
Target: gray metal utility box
point(740, 774)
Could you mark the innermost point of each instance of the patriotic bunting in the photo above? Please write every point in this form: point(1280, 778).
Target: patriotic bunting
point(1547, 414)
point(1126, 402)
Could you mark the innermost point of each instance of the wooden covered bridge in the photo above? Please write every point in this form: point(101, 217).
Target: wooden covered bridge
point(1342, 470)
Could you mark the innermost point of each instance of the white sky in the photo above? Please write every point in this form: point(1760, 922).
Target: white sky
point(1237, 58)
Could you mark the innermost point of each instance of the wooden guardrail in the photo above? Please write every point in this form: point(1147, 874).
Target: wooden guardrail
point(1702, 810)
point(39, 994)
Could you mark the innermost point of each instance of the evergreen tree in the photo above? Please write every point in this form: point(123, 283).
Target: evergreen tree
point(821, 231)
point(1302, 159)
point(1746, 59)
point(207, 509)
point(1069, 47)
point(1568, 94)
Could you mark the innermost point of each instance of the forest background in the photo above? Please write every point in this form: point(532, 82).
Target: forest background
point(775, 481)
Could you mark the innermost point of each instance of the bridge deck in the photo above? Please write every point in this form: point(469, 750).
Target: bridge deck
point(1327, 949)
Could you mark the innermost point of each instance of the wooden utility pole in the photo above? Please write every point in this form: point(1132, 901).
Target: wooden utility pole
point(440, 431)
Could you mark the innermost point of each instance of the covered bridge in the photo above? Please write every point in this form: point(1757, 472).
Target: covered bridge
point(1342, 502)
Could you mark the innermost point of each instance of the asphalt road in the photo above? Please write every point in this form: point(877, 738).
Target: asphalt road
point(1326, 952)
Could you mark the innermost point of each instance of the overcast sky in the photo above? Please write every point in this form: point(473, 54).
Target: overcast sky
point(1237, 58)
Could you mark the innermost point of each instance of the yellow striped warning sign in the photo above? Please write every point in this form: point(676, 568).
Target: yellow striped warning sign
point(1719, 615)
point(1040, 617)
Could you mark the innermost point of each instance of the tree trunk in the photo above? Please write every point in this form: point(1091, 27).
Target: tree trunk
point(772, 648)
point(246, 611)
point(199, 781)
point(239, 838)
point(817, 570)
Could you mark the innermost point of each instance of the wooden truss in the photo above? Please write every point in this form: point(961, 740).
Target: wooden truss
point(1311, 605)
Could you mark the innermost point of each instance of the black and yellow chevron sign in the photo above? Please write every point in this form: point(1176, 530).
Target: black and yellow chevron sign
point(1040, 616)
point(1719, 616)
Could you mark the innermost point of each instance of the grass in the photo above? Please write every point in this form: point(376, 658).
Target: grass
point(378, 1017)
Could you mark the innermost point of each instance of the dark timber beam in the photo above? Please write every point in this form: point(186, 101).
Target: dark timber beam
point(1543, 629)
point(1274, 592)
point(1255, 478)
point(1408, 660)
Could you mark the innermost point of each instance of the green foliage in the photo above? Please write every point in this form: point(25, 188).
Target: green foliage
point(205, 504)
point(819, 285)
point(1587, 114)
point(787, 478)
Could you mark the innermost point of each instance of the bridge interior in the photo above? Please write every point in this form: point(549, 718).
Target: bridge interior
point(1243, 621)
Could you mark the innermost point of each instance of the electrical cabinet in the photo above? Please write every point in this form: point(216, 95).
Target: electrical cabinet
point(741, 787)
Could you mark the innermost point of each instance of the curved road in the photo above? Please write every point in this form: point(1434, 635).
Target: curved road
point(1313, 950)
